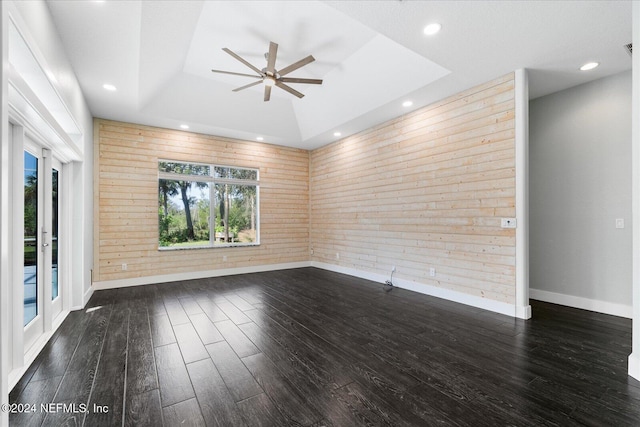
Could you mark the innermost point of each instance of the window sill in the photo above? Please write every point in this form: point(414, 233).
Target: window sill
point(187, 248)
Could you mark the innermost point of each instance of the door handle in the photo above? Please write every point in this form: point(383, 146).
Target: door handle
point(44, 239)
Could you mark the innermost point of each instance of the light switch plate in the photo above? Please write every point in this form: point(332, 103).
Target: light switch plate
point(508, 223)
point(619, 222)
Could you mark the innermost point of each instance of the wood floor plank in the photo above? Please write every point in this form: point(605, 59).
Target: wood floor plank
point(236, 339)
point(207, 331)
point(309, 381)
point(185, 413)
point(325, 366)
point(368, 409)
point(109, 384)
point(156, 307)
point(252, 294)
point(77, 381)
point(356, 357)
point(35, 393)
point(285, 396)
point(190, 344)
point(175, 385)
point(55, 357)
point(176, 313)
point(65, 412)
point(238, 379)
point(260, 411)
point(161, 330)
point(144, 409)
point(238, 302)
point(213, 312)
point(232, 312)
point(190, 305)
point(216, 403)
point(141, 364)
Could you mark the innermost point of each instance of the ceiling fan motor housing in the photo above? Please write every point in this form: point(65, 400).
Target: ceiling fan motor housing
point(269, 75)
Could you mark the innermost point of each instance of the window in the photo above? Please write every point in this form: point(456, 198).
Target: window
point(201, 206)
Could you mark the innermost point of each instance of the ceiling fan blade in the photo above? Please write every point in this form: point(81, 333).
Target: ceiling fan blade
point(242, 60)
point(247, 86)
point(296, 65)
point(237, 74)
point(271, 58)
point(295, 80)
point(289, 89)
point(267, 93)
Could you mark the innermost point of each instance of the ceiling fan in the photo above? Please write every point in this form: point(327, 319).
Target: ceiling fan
point(270, 76)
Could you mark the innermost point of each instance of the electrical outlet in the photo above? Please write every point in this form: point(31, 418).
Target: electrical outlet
point(124, 267)
point(432, 272)
point(508, 223)
point(224, 258)
point(311, 251)
point(337, 255)
point(393, 269)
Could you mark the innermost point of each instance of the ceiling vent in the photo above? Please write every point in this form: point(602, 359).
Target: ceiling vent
point(629, 48)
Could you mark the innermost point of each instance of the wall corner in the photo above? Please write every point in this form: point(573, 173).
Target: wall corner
point(634, 358)
point(523, 309)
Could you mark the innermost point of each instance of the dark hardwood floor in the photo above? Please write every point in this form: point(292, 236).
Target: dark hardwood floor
point(308, 347)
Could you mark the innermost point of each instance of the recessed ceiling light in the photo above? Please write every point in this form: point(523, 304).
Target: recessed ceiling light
point(109, 87)
point(589, 66)
point(337, 134)
point(184, 126)
point(259, 138)
point(407, 103)
point(432, 29)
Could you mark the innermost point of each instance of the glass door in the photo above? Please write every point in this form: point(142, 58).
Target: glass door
point(33, 253)
point(42, 247)
point(56, 299)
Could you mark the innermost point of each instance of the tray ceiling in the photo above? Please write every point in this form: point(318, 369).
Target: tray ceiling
point(372, 56)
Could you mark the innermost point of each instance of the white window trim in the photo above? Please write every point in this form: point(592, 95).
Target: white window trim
point(213, 180)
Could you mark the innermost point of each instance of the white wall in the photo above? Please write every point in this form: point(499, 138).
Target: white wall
point(634, 358)
point(580, 183)
point(5, 332)
point(36, 18)
point(35, 24)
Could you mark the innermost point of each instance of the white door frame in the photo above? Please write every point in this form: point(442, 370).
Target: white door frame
point(25, 342)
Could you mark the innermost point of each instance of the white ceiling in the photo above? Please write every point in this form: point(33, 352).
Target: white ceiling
point(372, 56)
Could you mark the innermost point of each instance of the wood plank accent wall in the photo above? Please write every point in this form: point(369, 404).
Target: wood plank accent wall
point(126, 208)
point(424, 190)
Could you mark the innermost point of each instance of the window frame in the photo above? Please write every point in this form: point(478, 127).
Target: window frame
point(212, 181)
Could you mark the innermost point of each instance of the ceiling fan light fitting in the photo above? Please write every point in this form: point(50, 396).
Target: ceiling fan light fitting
point(269, 75)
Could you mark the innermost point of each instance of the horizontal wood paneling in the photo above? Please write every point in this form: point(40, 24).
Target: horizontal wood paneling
point(126, 213)
point(425, 190)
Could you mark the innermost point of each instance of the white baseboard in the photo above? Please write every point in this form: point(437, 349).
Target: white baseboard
point(87, 296)
point(605, 307)
point(85, 299)
point(523, 312)
point(149, 280)
point(483, 303)
point(634, 365)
